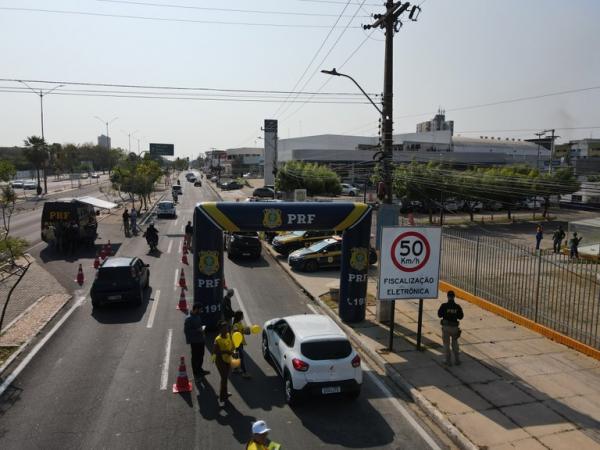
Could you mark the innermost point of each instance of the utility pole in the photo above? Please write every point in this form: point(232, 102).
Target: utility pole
point(388, 213)
point(553, 137)
point(539, 138)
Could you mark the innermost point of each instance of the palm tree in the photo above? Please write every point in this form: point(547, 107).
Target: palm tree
point(36, 153)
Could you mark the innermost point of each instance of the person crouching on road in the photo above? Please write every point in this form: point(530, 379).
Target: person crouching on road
point(450, 313)
point(223, 349)
point(260, 439)
point(193, 328)
point(239, 326)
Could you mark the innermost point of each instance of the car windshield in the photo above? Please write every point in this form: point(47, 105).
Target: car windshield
point(329, 349)
point(298, 233)
point(319, 246)
point(115, 274)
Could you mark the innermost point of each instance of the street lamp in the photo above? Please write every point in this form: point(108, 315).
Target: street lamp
point(42, 94)
point(129, 134)
point(107, 123)
point(335, 73)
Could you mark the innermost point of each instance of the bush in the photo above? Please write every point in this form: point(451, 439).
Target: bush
point(315, 178)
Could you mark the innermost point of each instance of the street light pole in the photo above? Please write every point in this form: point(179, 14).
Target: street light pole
point(42, 94)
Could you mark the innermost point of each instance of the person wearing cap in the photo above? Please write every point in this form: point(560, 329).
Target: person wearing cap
point(223, 349)
point(450, 313)
point(226, 309)
point(260, 439)
point(193, 329)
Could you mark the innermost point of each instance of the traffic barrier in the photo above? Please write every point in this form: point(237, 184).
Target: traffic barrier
point(80, 277)
point(182, 306)
point(183, 383)
point(96, 262)
point(182, 283)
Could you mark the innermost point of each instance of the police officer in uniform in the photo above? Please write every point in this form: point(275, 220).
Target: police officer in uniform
point(450, 313)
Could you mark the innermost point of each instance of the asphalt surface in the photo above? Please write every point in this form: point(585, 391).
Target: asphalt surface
point(101, 380)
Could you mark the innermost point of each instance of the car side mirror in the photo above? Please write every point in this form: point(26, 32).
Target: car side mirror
point(146, 265)
point(98, 212)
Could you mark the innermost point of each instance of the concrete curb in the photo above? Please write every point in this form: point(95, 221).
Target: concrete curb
point(23, 346)
point(438, 417)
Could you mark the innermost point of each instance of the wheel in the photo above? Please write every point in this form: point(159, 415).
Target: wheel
point(291, 395)
point(352, 194)
point(265, 347)
point(311, 266)
point(96, 304)
point(353, 395)
point(256, 256)
point(147, 281)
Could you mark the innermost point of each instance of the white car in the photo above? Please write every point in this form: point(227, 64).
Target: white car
point(313, 356)
point(95, 175)
point(166, 208)
point(348, 189)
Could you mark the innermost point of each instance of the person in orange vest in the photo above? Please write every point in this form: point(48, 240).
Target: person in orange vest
point(260, 439)
point(223, 349)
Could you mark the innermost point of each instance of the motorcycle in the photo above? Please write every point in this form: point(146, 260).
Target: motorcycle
point(152, 241)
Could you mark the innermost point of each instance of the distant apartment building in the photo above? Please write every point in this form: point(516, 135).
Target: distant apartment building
point(104, 141)
point(438, 123)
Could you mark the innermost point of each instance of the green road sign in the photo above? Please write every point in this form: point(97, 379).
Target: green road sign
point(162, 149)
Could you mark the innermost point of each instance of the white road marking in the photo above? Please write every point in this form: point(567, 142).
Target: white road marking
point(176, 277)
point(312, 308)
point(164, 376)
point(8, 381)
point(396, 403)
point(153, 310)
point(170, 246)
point(242, 307)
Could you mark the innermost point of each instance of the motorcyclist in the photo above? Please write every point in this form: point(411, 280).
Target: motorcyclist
point(151, 235)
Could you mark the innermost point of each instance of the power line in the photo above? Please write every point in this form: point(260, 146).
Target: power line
point(162, 19)
point(314, 57)
point(334, 2)
point(207, 8)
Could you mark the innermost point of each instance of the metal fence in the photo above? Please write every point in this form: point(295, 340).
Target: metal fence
point(548, 288)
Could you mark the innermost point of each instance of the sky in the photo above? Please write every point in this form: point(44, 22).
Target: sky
point(457, 55)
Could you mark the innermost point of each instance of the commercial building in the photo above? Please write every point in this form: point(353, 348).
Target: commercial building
point(246, 159)
point(104, 141)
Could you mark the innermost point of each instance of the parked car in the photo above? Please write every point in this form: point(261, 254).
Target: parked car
point(533, 203)
point(475, 206)
point(313, 356)
point(324, 254)
point(61, 212)
point(30, 185)
point(263, 192)
point(95, 175)
point(214, 179)
point(120, 279)
point(493, 206)
point(232, 185)
point(17, 184)
point(348, 189)
point(166, 208)
point(289, 242)
point(83, 176)
point(451, 206)
point(243, 244)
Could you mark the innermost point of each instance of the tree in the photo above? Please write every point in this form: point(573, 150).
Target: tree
point(316, 179)
point(36, 152)
point(559, 182)
point(135, 176)
point(7, 171)
point(468, 186)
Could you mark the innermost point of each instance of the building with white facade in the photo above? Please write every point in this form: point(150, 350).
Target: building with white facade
point(246, 159)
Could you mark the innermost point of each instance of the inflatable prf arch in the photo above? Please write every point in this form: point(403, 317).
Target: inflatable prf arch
point(211, 219)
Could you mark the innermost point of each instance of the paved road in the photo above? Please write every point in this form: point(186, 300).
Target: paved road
point(101, 380)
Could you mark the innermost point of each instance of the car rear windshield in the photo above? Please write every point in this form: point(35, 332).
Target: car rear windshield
point(319, 350)
point(114, 274)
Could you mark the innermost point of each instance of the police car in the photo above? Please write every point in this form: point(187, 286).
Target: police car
point(325, 253)
point(286, 243)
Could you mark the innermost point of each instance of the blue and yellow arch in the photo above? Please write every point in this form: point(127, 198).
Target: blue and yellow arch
point(212, 218)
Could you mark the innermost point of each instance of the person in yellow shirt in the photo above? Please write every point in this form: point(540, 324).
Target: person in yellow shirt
point(239, 326)
point(223, 350)
point(260, 439)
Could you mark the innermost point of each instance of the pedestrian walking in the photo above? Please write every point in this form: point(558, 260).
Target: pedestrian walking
point(189, 232)
point(539, 235)
point(557, 238)
point(260, 438)
point(193, 328)
point(223, 349)
point(240, 326)
point(450, 313)
point(126, 222)
point(133, 219)
point(574, 246)
point(226, 309)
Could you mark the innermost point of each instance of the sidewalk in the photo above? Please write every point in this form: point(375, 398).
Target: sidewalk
point(515, 389)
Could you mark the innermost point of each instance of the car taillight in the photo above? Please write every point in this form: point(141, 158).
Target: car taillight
point(356, 361)
point(299, 365)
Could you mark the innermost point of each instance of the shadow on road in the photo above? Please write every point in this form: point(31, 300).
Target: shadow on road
point(249, 262)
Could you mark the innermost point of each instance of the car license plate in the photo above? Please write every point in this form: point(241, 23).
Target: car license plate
point(114, 297)
point(331, 390)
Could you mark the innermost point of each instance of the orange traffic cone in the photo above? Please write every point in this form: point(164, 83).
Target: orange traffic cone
point(79, 278)
point(182, 283)
point(103, 252)
point(184, 259)
point(96, 262)
point(183, 383)
point(182, 306)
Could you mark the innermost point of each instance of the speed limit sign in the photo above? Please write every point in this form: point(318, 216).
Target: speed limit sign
point(410, 263)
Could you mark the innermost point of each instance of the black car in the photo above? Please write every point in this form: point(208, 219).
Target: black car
point(243, 244)
point(263, 192)
point(120, 279)
point(198, 183)
point(231, 186)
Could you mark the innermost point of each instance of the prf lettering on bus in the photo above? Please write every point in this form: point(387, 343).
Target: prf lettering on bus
point(59, 215)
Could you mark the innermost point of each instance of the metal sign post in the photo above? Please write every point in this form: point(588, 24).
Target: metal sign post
point(409, 268)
